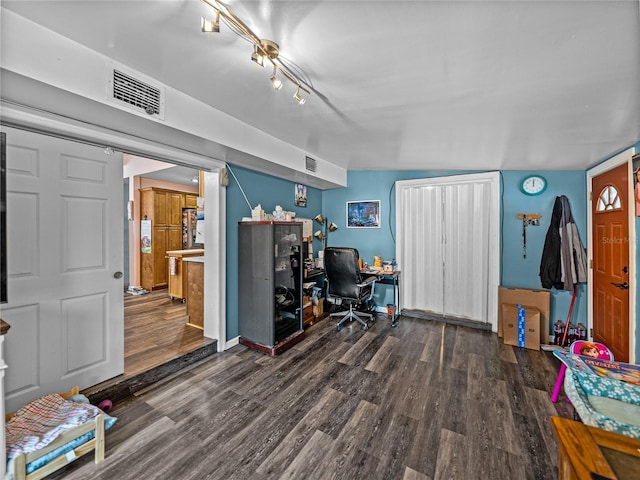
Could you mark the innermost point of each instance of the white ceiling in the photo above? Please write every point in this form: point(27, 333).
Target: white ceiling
point(177, 174)
point(400, 84)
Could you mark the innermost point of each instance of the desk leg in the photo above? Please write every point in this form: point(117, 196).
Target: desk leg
point(396, 291)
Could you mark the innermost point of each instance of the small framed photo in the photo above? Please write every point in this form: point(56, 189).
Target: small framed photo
point(363, 214)
point(301, 195)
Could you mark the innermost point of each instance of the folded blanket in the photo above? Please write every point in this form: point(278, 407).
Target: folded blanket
point(41, 421)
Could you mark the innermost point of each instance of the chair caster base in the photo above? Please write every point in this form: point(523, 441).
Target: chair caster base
point(338, 327)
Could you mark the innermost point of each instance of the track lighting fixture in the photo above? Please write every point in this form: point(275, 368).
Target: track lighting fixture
point(264, 51)
point(275, 81)
point(257, 57)
point(209, 26)
point(298, 98)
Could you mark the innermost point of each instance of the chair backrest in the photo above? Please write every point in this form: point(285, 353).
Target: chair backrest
point(342, 271)
point(591, 349)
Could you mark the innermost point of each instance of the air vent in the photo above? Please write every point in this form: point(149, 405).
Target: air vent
point(137, 93)
point(310, 164)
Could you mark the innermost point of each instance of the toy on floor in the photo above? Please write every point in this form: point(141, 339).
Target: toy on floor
point(604, 393)
point(581, 347)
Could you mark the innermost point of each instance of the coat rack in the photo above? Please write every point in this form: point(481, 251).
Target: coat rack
point(527, 219)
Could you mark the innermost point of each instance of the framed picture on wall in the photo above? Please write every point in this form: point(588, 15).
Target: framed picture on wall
point(363, 214)
point(301, 195)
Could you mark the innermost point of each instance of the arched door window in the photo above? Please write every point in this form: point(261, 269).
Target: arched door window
point(608, 199)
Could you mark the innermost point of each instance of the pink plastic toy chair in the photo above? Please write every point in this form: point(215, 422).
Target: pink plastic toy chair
point(581, 347)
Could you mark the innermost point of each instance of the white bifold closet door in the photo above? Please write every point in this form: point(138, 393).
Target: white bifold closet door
point(448, 245)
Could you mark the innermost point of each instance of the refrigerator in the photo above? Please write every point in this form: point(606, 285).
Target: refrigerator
point(192, 229)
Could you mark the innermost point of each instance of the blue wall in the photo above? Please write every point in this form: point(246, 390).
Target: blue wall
point(516, 271)
point(268, 191)
point(370, 185)
point(524, 272)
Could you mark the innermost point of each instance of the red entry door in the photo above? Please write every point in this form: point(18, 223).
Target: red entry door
point(610, 213)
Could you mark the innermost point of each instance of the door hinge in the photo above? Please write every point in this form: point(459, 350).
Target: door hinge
point(590, 196)
point(591, 333)
point(591, 263)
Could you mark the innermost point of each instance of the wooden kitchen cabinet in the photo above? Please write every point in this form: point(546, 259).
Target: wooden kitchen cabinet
point(190, 201)
point(164, 208)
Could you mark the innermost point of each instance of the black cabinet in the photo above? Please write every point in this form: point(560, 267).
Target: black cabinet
point(270, 285)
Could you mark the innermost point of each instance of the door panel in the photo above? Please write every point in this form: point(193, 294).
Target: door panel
point(467, 251)
point(64, 246)
point(160, 242)
point(422, 276)
point(174, 217)
point(611, 261)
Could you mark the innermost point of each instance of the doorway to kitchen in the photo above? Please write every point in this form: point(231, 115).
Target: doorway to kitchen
point(157, 326)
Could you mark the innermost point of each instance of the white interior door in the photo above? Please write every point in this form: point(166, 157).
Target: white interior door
point(448, 245)
point(64, 217)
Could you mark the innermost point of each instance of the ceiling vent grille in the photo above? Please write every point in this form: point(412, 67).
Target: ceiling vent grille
point(138, 94)
point(310, 164)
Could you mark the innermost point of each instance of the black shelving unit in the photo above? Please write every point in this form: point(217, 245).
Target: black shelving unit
point(270, 285)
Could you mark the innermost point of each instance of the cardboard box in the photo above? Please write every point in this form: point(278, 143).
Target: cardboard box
point(521, 331)
point(540, 299)
point(318, 309)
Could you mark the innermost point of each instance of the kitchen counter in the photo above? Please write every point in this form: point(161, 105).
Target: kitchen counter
point(195, 290)
point(177, 270)
point(194, 259)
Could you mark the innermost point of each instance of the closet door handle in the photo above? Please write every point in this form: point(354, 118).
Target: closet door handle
point(621, 286)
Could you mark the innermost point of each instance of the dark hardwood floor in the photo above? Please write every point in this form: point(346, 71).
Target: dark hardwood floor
point(425, 400)
point(156, 330)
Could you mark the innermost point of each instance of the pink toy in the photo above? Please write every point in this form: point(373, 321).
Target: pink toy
point(106, 405)
point(581, 347)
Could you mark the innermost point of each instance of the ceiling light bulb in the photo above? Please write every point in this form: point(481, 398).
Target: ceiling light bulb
point(298, 98)
point(209, 26)
point(275, 81)
point(257, 56)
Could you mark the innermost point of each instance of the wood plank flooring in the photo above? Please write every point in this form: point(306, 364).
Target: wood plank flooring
point(156, 330)
point(425, 400)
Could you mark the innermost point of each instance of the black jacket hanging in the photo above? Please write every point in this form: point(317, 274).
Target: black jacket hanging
point(564, 260)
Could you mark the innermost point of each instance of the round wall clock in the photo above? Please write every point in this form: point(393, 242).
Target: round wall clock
point(533, 185)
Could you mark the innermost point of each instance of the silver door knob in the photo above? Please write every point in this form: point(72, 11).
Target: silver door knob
point(117, 275)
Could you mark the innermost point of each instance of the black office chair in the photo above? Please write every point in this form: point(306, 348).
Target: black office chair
point(342, 273)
